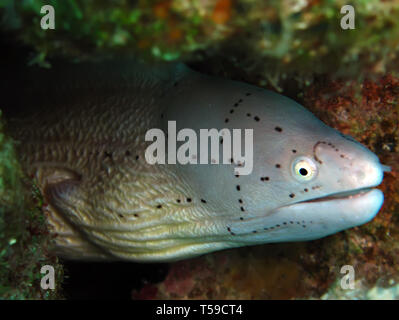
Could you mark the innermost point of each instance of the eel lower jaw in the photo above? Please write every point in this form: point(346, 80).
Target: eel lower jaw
point(341, 210)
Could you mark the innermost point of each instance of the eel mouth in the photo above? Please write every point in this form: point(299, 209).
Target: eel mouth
point(352, 194)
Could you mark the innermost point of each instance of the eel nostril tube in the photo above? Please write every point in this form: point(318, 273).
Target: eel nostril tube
point(385, 168)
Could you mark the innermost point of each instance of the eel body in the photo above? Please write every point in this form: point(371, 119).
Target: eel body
point(85, 145)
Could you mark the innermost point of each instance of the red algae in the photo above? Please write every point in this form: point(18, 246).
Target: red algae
point(369, 111)
point(222, 11)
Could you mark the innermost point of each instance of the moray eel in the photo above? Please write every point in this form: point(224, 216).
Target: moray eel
point(84, 143)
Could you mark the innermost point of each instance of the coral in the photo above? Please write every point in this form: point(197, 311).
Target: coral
point(263, 272)
point(24, 238)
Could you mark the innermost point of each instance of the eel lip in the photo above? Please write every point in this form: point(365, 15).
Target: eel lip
point(340, 195)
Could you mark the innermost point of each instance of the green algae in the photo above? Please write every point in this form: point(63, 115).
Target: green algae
point(278, 39)
point(24, 239)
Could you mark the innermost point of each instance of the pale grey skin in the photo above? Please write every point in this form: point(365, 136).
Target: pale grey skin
point(105, 203)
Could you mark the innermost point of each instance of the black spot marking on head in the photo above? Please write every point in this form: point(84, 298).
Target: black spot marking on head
point(231, 232)
point(237, 175)
point(240, 200)
point(188, 199)
point(127, 153)
point(331, 145)
point(159, 206)
point(121, 215)
point(239, 164)
point(304, 226)
point(306, 189)
point(241, 218)
point(239, 101)
point(254, 231)
point(236, 104)
point(203, 201)
point(278, 129)
point(256, 118)
point(248, 94)
point(238, 187)
point(136, 215)
point(285, 223)
point(232, 111)
point(226, 120)
point(293, 151)
point(242, 209)
point(292, 222)
point(178, 200)
point(278, 166)
point(137, 157)
point(342, 156)
point(264, 178)
point(277, 225)
point(248, 114)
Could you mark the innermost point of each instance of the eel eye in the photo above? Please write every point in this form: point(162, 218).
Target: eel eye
point(304, 169)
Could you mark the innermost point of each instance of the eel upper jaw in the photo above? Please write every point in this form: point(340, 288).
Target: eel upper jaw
point(376, 179)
